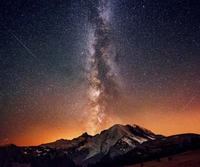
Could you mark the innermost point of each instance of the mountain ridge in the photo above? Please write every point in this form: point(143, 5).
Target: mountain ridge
point(119, 144)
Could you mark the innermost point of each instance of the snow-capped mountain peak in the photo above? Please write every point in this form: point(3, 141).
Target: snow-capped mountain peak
point(118, 139)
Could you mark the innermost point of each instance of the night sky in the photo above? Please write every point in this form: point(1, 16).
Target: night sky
point(70, 66)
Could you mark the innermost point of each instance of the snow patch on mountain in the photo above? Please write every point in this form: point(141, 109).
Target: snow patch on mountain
point(129, 142)
point(138, 139)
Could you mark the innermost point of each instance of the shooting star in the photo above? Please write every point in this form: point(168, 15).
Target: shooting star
point(189, 102)
point(18, 40)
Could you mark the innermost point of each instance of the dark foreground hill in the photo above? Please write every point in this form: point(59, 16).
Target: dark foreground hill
point(117, 146)
point(185, 159)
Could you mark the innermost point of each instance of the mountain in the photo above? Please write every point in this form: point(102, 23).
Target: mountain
point(118, 145)
point(118, 139)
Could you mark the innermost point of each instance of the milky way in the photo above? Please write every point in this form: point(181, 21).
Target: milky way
point(103, 86)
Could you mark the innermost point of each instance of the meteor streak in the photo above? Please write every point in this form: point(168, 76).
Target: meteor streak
point(188, 103)
point(18, 39)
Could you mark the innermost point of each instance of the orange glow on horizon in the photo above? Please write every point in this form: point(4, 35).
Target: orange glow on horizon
point(166, 124)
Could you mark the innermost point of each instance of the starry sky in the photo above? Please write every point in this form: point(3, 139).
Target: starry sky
point(67, 66)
